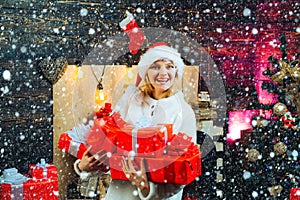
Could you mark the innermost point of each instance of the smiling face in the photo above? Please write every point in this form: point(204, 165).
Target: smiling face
point(161, 75)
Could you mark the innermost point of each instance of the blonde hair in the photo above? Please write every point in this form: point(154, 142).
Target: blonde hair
point(147, 88)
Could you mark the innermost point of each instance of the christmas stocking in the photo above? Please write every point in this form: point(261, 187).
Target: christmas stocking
point(131, 28)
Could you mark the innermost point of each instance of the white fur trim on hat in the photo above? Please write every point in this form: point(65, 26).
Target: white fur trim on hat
point(158, 53)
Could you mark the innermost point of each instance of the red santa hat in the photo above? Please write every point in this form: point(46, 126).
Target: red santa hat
point(160, 51)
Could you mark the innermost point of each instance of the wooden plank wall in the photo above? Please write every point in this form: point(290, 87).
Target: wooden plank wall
point(25, 116)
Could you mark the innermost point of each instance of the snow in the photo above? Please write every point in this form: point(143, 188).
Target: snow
point(83, 12)
point(254, 31)
point(92, 31)
point(246, 175)
point(23, 49)
point(6, 75)
point(246, 12)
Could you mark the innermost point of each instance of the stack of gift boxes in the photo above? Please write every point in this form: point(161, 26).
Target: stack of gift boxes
point(168, 157)
point(41, 183)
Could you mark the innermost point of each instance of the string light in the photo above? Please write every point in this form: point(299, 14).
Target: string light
point(99, 93)
point(129, 75)
point(77, 73)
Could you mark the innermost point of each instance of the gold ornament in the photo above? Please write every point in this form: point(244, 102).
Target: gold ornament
point(280, 148)
point(287, 69)
point(295, 70)
point(260, 122)
point(280, 75)
point(275, 190)
point(253, 155)
point(279, 109)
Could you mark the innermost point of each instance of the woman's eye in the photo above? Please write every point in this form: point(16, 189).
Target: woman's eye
point(156, 67)
point(170, 67)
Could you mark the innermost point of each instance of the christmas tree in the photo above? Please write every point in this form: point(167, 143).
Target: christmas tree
point(271, 160)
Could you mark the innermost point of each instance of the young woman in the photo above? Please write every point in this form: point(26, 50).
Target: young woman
point(157, 101)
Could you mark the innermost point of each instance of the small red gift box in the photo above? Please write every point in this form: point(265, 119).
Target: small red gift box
point(113, 121)
point(183, 161)
point(70, 146)
point(15, 186)
point(42, 170)
point(295, 194)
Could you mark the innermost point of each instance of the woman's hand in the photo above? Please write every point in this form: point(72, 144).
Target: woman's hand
point(92, 162)
point(138, 178)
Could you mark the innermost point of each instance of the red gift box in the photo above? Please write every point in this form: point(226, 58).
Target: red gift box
point(146, 141)
point(295, 194)
point(42, 170)
point(16, 186)
point(114, 121)
point(184, 158)
point(102, 135)
point(70, 146)
point(157, 168)
point(111, 132)
point(191, 166)
point(77, 149)
point(39, 189)
point(180, 165)
point(176, 170)
point(180, 144)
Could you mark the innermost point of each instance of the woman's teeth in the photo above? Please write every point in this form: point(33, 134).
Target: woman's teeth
point(162, 80)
